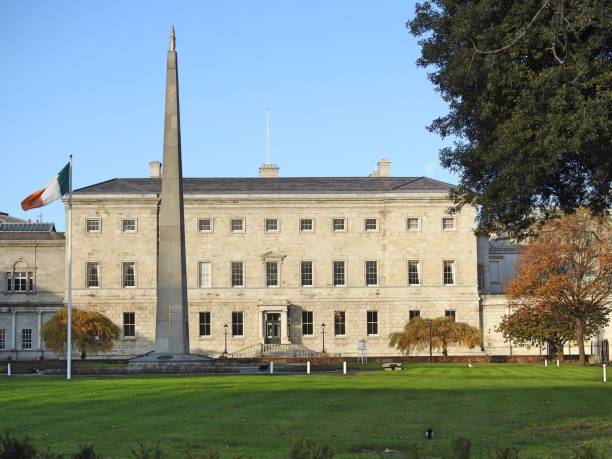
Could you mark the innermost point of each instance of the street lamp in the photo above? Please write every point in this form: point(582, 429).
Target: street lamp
point(225, 337)
point(323, 334)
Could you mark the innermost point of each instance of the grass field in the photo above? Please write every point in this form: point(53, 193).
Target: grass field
point(542, 411)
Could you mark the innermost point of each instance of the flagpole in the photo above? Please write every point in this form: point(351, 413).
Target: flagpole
point(69, 325)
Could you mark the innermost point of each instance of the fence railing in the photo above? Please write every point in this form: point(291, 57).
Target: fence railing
point(273, 350)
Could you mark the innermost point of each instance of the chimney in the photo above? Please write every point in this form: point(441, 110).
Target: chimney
point(268, 170)
point(155, 169)
point(382, 168)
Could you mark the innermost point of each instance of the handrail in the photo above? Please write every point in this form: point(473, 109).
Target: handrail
point(274, 350)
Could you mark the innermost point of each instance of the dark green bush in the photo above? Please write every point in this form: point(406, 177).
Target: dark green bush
point(460, 448)
point(587, 451)
point(305, 448)
point(506, 453)
point(86, 452)
point(13, 448)
point(143, 452)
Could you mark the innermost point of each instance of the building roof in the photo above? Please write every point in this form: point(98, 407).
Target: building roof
point(273, 185)
point(28, 231)
point(27, 227)
point(6, 218)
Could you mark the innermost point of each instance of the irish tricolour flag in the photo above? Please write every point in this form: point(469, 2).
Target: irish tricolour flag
point(55, 189)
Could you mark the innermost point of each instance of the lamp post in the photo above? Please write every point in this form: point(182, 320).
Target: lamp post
point(323, 335)
point(430, 336)
point(225, 339)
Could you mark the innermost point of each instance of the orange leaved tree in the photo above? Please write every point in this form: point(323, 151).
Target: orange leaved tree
point(563, 283)
point(92, 332)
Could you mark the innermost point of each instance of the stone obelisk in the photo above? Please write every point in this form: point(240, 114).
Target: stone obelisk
point(172, 330)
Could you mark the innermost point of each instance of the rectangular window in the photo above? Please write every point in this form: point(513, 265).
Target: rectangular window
point(205, 324)
point(370, 224)
point(339, 224)
point(306, 273)
point(339, 273)
point(494, 274)
point(306, 224)
point(129, 274)
point(371, 272)
point(451, 313)
point(372, 318)
point(2, 338)
point(26, 338)
point(414, 313)
point(93, 274)
point(204, 274)
point(448, 224)
point(307, 323)
point(237, 323)
point(129, 324)
point(339, 323)
point(237, 278)
point(237, 225)
point(480, 276)
point(271, 225)
point(271, 273)
point(414, 272)
point(92, 225)
point(20, 282)
point(205, 225)
point(413, 224)
point(128, 225)
point(449, 272)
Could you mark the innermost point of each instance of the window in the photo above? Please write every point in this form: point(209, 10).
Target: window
point(449, 272)
point(128, 225)
point(20, 281)
point(414, 313)
point(26, 338)
point(306, 273)
point(205, 324)
point(451, 313)
point(372, 318)
point(480, 276)
point(494, 274)
point(129, 274)
point(237, 225)
point(413, 224)
point(204, 274)
point(205, 225)
point(370, 224)
point(92, 225)
point(237, 323)
point(371, 272)
point(307, 323)
point(339, 323)
point(339, 224)
point(448, 224)
point(306, 224)
point(129, 324)
point(339, 273)
point(414, 272)
point(237, 278)
point(93, 274)
point(2, 338)
point(271, 225)
point(271, 273)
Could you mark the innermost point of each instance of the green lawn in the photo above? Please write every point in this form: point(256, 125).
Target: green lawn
point(542, 411)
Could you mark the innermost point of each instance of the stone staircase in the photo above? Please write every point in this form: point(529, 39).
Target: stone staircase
point(273, 350)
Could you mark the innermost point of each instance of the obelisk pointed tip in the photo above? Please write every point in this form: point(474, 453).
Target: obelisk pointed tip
point(172, 39)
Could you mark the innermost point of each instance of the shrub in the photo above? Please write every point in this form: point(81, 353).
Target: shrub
point(147, 453)
point(86, 452)
point(208, 453)
point(13, 448)
point(506, 453)
point(587, 451)
point(305, 448)
point(460, 448)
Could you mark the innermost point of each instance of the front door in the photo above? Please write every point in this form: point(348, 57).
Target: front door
point(273, 328)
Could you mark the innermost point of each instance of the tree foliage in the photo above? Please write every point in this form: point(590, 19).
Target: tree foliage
point(563, 284)
point(92, 332)
point(529, 90)
point(444, 332)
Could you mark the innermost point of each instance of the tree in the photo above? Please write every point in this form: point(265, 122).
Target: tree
point(92, 332)
point(529, 90)
point(444, 332)
point(563, 283)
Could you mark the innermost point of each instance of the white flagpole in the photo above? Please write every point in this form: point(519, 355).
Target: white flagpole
point(69, 335)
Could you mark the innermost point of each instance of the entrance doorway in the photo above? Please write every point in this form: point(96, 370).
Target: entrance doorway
point(273, 328)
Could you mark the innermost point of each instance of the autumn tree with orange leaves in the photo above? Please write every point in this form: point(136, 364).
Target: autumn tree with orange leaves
point(563, 284)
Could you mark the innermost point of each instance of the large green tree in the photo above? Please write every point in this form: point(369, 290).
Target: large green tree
point(529, 89)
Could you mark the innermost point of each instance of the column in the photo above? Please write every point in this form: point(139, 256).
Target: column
point(39, 337)
point(14, 332)
point(284, 337)
point(261, 326)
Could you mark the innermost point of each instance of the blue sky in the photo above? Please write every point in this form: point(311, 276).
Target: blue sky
point(88, 78)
